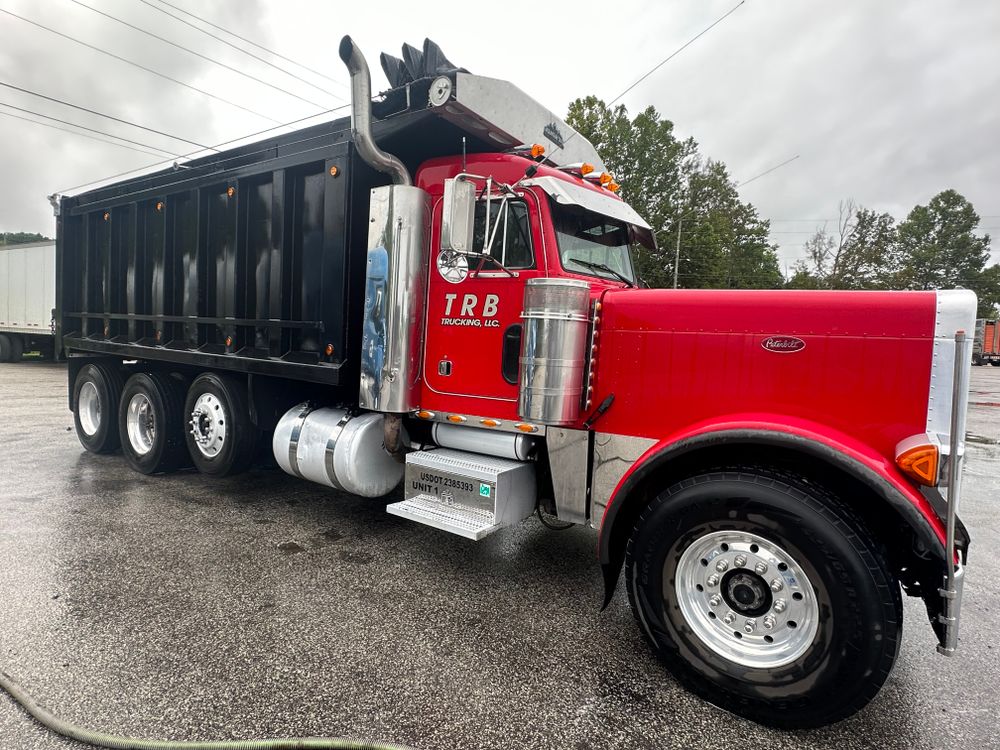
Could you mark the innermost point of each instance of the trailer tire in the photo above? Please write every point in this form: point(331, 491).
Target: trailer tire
point(16, 348)
point(151, 422)
point(685, 581)
point(96, 393)
point(220, 437)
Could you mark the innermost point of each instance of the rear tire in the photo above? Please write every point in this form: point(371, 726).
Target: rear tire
point(707, 612)
point(150, 421)
point(96, 393)
point(220, 437)
point(6, 347)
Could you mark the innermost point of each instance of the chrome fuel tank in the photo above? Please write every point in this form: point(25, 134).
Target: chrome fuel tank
point(331, 447)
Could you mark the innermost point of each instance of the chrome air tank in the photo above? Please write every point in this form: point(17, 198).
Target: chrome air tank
point(331, 447)
point(553, 350)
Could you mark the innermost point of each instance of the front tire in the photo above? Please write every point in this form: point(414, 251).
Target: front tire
point(220, 437)
point(765, 595)
point(150, 421)
point(96, 392)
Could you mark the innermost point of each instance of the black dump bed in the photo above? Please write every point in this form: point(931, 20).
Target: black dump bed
point(251, 259)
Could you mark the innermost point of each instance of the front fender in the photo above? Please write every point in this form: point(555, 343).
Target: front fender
point(838, 450)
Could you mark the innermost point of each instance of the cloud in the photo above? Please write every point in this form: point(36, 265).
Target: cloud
point(886, 103)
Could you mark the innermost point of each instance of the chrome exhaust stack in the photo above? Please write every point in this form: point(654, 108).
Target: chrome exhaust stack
point(396, 269)
point(361, 116)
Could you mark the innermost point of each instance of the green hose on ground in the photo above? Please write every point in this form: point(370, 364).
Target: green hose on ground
point(99, 739)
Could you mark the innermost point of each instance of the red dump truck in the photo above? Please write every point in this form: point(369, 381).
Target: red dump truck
point(439, 292)
point(986, 343)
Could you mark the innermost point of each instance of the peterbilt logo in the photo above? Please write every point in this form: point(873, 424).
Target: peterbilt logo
point(783, 344)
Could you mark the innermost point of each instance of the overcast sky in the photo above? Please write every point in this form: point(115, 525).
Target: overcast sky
point(884, 102)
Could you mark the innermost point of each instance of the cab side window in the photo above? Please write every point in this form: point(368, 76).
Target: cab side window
point(512, 239)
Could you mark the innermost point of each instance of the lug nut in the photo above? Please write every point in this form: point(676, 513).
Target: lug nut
point(779, 605)
point(713, 580)
point(777, 585)
point(729, 618)
point(740, 561)
point(769, 622)
point(749, 626)
point(760, 568)
point(722, 566)
point(715, 600)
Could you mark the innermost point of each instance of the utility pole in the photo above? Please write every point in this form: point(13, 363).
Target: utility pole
point(677, 251)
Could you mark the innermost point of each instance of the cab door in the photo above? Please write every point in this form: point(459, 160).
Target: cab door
point(473, 337)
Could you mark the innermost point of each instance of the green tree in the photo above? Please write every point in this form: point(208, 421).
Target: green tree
point(862, 253)
point(17, 238)
point(723, 241)
point(940, 250)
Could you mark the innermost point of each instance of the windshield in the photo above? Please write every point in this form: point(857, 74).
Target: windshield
point(593, 240)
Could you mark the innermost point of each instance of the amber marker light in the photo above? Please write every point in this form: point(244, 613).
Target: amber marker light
point(456, 418)
point(919, 460)
point(424, 414)
point(230, 191)
point(614, 187)
point(490, 422)
point(329, 350)
point(229, 340)
point(107, 215)
point(537, 150)
point(526, 427)
point(334, 171)
point(606, 178)
point(586, 169)
point(159, 205)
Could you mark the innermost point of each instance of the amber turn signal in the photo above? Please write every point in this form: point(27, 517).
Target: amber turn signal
point(537, 150)
point(424, 414)
point(919, 461)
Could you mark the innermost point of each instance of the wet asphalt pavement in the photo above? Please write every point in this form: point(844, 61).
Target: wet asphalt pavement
point(260, 606)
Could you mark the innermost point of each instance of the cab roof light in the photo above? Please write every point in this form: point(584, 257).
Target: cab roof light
point(919, 459)
point(534, 150)
point(606, 178)
point(614, 187)
point(580, 168)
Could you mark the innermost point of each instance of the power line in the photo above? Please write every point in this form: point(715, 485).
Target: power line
point(240, 49)
point(84, 127)
point(101, 114)
point(216, 147)
point(138, 65)
point(197, 54)
point(74, 132)
point(251, 42)
point(676, 52)
point(768, 171)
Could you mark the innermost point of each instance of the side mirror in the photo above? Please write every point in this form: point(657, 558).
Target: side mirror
point(459, 215)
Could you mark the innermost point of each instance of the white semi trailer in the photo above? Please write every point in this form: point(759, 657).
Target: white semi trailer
point(27, 299)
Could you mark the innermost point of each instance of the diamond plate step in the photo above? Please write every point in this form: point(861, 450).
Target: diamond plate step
point(472, 523)
point(468, 494)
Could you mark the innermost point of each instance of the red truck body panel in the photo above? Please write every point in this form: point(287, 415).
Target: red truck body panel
point(676, 358)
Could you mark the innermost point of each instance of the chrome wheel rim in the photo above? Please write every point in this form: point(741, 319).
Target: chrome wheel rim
point(89, 408)
point(140, 424)
point(747, 599)
point(208, 425)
